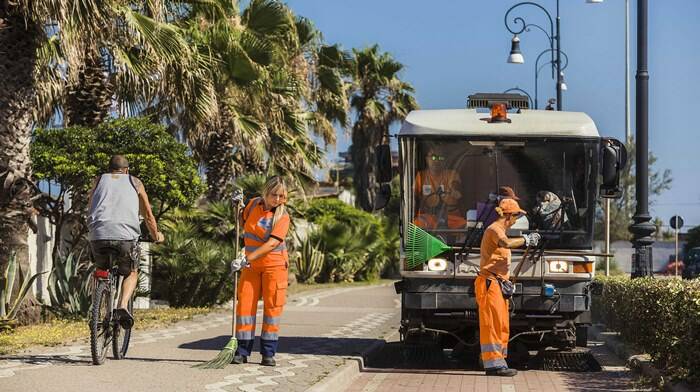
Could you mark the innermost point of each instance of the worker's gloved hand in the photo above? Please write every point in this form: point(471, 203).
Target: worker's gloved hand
point(239, 263)
point(532, 239)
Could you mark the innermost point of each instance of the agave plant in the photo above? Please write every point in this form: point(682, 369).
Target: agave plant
point(309, 261)
point(70, 286)
point(8, 305)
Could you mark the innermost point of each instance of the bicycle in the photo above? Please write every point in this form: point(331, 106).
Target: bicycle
point(105, 329)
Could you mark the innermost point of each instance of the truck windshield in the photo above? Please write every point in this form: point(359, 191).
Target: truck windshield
point(451, 187)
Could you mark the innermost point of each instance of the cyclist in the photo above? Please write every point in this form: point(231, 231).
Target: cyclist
point(115, 202)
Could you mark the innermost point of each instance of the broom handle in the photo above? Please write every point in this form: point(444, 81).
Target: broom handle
point(235, 274)
point(235, 295)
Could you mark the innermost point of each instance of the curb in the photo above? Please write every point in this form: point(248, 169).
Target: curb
point(637, 361)
point(341, 378)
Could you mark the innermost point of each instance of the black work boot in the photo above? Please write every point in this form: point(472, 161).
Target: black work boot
point(239, 359)
point(501, 372)
point(268, 361)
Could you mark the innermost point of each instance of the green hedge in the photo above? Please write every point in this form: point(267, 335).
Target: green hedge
point(659, 316)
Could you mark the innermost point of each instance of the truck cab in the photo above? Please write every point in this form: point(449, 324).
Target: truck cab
point(452, 164)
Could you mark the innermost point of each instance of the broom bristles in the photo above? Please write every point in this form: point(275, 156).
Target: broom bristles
point(224, 358)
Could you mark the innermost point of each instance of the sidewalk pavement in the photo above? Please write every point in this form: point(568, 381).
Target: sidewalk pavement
point(319, 331)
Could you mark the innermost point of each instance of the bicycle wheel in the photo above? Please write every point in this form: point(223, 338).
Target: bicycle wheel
point(100, 319)
point(120, 341)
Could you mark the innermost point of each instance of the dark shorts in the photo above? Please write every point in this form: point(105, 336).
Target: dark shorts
point(125, 254)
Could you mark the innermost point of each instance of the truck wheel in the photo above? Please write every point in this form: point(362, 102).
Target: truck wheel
point(581, 336)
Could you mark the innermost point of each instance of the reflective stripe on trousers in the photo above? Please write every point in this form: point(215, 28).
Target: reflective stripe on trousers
point(494, 323)
point(271, 284)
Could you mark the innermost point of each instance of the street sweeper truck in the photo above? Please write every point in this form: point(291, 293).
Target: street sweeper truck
point(454, 167)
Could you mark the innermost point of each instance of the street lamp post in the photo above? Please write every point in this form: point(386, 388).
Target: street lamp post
point(553, 36)
point(642, 229)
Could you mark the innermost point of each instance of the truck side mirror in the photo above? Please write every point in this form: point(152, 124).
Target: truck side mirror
point(613, 158)
point(383, 154)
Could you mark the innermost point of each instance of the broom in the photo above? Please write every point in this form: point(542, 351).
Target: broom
point(421, 246)
point(226, 355)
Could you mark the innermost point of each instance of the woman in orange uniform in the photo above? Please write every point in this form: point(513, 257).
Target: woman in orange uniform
point(265, 226)
point(494, 319)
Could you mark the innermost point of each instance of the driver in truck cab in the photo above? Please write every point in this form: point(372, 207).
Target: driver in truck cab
point(437, 195)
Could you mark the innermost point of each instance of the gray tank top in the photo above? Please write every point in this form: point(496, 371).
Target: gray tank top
point(114, 209)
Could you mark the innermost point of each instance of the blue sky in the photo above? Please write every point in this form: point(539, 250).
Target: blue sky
point(454, 48)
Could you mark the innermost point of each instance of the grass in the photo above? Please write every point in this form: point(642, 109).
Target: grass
point(65, 331)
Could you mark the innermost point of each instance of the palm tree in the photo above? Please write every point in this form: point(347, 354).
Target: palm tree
point(380, 98)
point(268, 94)
point(49, 45)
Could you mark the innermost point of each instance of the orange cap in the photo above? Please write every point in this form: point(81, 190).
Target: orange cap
point(510, 206)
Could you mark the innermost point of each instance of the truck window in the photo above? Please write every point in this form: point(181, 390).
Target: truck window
point(453, 185)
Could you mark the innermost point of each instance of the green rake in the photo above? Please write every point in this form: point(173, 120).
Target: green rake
point(421, 246)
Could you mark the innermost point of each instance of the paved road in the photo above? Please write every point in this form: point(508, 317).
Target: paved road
point(410, 377)
point(320, 330)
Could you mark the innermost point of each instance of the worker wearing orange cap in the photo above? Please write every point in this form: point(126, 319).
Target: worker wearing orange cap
point(265, 224)
point(437, 195)
point(494, 319)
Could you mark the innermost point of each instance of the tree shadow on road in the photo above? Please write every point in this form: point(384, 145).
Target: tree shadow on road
point(296, 345)
point(39, 359)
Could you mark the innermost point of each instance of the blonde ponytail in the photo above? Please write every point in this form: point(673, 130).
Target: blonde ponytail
point(273, 184)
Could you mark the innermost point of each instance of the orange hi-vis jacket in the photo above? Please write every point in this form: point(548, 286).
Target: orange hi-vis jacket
point(495, 259)
point(428, 184)
point(258, 230)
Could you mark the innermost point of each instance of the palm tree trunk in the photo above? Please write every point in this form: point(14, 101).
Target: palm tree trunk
point(18, 45)
point(218, 162)
point(90, 97)
point(363, 178)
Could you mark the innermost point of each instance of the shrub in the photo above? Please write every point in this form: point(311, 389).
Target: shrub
point(191, 267)
point(660, 316)
point(358, 245)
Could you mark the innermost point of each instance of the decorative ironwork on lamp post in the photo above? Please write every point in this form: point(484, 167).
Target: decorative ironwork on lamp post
point(553, 36)
point(538, 68)
point(561, 86)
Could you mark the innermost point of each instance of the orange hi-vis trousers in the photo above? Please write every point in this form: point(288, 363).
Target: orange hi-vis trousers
point(494, 322)
point(271, 283)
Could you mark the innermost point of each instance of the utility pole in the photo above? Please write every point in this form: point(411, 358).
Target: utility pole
point(641, 229)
